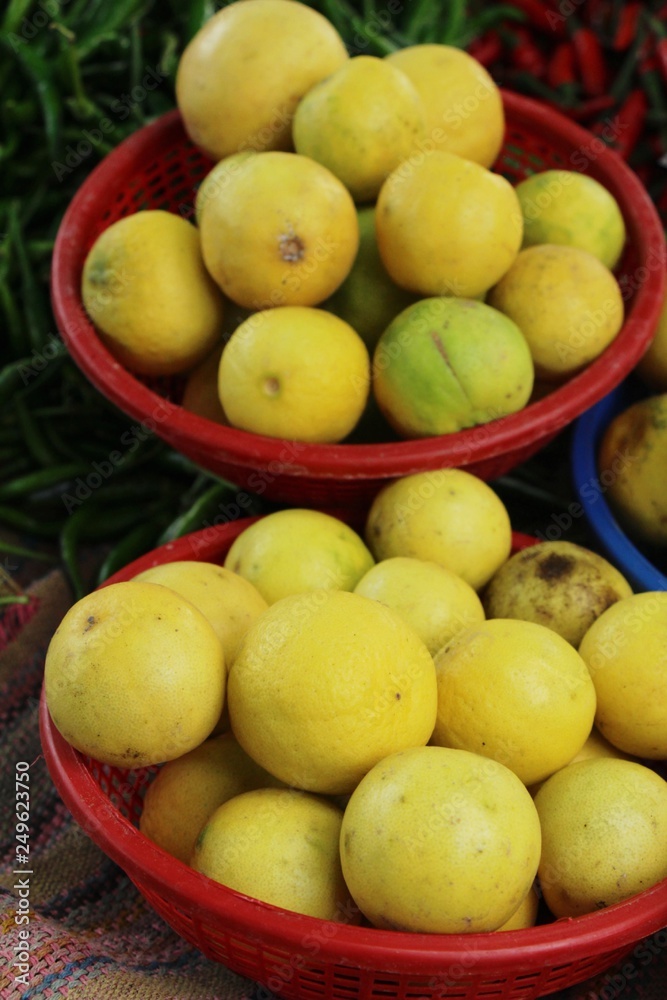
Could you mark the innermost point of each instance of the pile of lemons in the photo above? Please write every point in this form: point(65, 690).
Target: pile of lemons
point(413, 726)
point(355, 251)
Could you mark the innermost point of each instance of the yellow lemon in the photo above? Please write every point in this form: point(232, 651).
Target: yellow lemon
point(525, 914)
point(434, 601)
point(282, 231)
point(626, 653)
point(134, 675)
point(241, 76)
point(360, 122)
point(447, 226)
point(652, 367)
point(230, 602)
point(220, 174)
point(464, 108)
point(516, 692)
point(146, 289)
point(368, 299)
point(295, 550)
point(295, 372)
point(439, 841)
point(558, 584)
point(325, 684)
point(189, 789)
point(447, 363)
point(604, 829)
point(567, 304)
point(595, 746)
point(280, 846)
point(200, 392)
point(632, 459)
point(447, 516)
point(572, 209)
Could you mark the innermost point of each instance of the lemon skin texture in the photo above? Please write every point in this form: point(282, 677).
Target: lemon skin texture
point(439, 841)
point(325, 684)
point(241, 77)
point(134, 675)
point(146, 289)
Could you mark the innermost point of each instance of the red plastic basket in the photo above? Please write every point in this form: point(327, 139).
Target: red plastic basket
point(159, 168)
point(308, 959)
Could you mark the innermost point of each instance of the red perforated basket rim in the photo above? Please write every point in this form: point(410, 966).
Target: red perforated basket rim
point(362, 461)
point(560, 943)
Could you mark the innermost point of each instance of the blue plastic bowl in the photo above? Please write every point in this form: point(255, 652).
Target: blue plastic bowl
point(591, 489)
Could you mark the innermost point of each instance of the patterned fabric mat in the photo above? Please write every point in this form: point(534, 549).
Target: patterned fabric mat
point(78, 920)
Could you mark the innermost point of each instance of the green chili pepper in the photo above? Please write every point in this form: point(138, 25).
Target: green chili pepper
point(33, 435)
point(202, 508)
point(14, 14)
point(28, 524)
point(20, 550)
point(6, 599)
point(34, 482)
point(33, 301)
point(37, 69)
point(136, 543)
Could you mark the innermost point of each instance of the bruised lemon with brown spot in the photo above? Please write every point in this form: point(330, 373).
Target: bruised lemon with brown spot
point(558, 584)
point(281, 231)
point(632, 458)
point(243, 73)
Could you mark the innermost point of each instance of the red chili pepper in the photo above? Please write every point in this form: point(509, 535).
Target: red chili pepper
point(626, 26)
point(540, 16)
point(586, 110)
point(590, 59)
point(562, 66)
point(524, 53)
point(659, 50)
point(487, 48)
point(630, 122)
point(597, 12)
